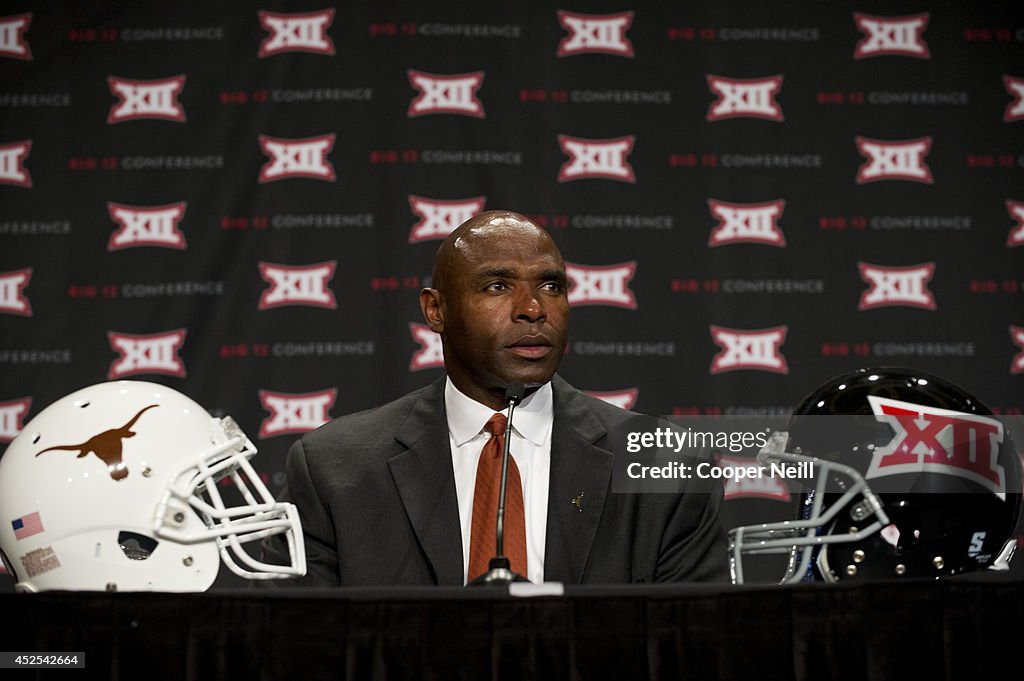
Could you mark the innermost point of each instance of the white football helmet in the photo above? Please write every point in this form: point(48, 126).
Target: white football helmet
point(115, 487)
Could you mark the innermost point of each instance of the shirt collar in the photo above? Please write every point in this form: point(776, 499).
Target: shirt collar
point(532, 418)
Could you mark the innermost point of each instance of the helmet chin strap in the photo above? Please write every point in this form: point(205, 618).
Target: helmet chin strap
point(824, 569)
point(1002, 561)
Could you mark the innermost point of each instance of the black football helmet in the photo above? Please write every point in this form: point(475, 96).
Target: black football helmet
point(912, 476)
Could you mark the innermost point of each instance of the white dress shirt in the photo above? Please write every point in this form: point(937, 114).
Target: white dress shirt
point(531, 449)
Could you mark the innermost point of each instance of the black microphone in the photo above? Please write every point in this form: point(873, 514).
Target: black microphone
point(499, 570)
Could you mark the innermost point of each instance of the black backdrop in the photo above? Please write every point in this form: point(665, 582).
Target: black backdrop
point(243, 203)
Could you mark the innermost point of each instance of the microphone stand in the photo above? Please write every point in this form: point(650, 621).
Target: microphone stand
point(499, 572)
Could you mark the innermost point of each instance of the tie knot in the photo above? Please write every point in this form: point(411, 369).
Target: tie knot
point(496, 425)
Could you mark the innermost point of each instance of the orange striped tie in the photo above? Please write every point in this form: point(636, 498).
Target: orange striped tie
point(485, 506)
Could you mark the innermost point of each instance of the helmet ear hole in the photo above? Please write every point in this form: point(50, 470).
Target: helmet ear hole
point(136, 546)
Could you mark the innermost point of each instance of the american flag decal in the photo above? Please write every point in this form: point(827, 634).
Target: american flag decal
point(27, 525)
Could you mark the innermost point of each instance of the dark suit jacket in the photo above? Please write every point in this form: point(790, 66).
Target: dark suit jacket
point(376, 495)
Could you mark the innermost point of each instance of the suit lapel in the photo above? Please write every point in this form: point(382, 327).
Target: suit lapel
point(580, 479)
point(426, 482)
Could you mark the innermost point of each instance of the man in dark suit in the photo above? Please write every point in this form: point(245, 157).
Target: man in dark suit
point(386, 495)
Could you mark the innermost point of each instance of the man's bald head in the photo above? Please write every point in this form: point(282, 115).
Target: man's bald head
point(473, 232)
point(499, 301)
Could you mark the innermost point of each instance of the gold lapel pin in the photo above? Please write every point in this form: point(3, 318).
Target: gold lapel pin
point(577, 501)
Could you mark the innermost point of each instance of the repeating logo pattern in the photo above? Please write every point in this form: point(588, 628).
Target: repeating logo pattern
point(751, 487)
point(756, 223)
point(1015, 109)
point(595, 34)
point(147, 226)
point(601, 284)
point(12, 37)
point(12, 417)
point(897, 286)
point(291, 414)
point(745, 209)
point(894, 160)
point(12, 292)
point(12, 163)
point(429, 353)
point(745, 98)
point(297, 32)
point(892, 36)
point(297, 158)
point(452, 94)
point(1016, 210)
point(755, 349)
point(298, 285)
point(142, 354)
point(439, 218)
point(596, 159)
point(146, 99)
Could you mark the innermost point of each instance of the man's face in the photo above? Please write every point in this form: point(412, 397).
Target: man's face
point(505, 312)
